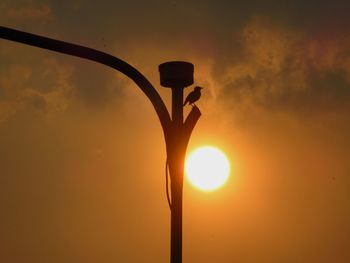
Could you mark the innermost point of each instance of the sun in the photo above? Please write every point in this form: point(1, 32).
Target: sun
point(207, 168)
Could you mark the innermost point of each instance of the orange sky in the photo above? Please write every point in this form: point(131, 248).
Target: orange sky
point(82, 153)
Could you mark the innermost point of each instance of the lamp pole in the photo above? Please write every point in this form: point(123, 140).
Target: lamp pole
point(176, 75)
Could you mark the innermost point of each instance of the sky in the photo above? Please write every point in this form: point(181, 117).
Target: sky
point(82, 152)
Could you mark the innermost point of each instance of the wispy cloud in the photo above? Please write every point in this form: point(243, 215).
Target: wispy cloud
point(284, 69)
point(29, 12)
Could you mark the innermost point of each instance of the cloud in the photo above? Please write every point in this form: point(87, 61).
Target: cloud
point(36, 101)
point(27, 10)
point(277, 72)
point(95, 85)
point(41, 87)
point(48, 84)
point(43, 12)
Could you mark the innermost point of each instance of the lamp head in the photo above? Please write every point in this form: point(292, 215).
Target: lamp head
point(176, 74)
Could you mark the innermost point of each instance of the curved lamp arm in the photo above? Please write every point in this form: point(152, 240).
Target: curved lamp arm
point(97, 56)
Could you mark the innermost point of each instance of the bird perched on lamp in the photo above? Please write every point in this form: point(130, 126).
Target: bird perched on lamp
point(193, 96)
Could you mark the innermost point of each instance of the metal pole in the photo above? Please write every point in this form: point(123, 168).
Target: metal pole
point(177, 75)
point(176, 171)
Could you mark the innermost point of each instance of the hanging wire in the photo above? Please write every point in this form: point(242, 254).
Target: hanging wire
point(167, 182)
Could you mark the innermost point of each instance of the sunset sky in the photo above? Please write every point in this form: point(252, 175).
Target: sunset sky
point(82, 153)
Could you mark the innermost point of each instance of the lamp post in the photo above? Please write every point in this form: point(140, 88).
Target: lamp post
point(176, 75)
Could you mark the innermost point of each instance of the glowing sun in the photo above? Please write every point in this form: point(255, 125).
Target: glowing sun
point(207, 168)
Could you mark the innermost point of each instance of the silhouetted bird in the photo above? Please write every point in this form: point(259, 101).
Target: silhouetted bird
point(193, 96)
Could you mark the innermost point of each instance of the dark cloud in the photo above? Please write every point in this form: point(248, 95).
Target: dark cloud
point(95, 86)
point(281, 70)
point(323, 91)
point(37, 101)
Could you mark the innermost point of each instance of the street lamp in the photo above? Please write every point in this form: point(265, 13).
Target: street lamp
point(176, 75)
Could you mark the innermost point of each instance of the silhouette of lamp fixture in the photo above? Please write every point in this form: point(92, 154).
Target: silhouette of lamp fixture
point(175, 75)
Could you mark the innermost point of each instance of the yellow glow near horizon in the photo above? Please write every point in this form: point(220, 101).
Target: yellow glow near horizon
point(207, 168)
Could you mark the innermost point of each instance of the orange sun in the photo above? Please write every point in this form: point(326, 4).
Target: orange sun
point(207, 168)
